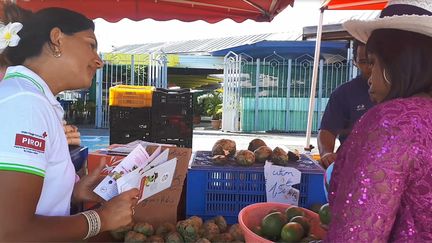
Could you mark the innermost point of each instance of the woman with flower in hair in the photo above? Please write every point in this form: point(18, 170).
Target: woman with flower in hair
point(47, 52)
point(381, 187)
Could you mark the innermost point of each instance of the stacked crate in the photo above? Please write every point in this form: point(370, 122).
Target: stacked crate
point(172, 114)
point(130, 113)
point(149, 114)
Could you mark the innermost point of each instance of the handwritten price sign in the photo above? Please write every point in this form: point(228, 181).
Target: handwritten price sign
point(279, 182)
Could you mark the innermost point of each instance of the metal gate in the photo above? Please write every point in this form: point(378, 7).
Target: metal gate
point(128, 69)
point(232, 91)
point(272, 93)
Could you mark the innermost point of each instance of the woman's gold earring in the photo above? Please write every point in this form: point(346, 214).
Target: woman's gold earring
point(57, 53)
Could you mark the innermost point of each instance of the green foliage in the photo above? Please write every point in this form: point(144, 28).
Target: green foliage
point(198, 107)
point(212, 104)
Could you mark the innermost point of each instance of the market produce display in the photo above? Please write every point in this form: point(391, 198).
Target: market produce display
point(291, 225)
point(224, 150)
point(277, 222)
point(193, 229)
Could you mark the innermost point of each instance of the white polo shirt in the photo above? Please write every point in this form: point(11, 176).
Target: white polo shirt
point(33, 140)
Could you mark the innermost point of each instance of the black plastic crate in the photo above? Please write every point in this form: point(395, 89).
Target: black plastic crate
point(180, 142)
point(127, 136)
point(128, 119)
point(172, 114)
point(172, 102)
point(174, 128)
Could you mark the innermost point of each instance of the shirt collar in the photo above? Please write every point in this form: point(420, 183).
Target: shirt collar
point(30, 76)
point(27, 74)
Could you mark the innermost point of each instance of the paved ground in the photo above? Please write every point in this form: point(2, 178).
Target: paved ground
point(204, 137)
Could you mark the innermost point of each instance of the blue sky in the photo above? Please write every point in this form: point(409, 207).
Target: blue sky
point(124, 32)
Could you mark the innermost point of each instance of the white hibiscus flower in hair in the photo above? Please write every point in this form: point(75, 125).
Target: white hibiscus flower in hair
point(9, 35)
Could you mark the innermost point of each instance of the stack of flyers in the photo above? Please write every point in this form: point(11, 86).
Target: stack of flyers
point(150, 174)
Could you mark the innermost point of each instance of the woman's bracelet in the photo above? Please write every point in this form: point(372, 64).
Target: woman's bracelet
point(94, 223)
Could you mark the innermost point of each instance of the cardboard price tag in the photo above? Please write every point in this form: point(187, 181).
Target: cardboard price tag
point(279, 182)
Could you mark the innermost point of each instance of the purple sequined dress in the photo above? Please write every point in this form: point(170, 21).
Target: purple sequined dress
point(381, 187)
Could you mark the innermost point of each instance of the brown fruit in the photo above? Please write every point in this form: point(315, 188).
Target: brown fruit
point(224, 147)
point(174, 237)
point(293, 156)
point(236, 232)
point(144, 228)
point(262, 154)
point(119, 234)
point(221, 223)
point(245, 157)
point(165, 229)
point(210, 230)
point(188, 230)
point(255, 144)
point(279, 156)
point(197, 221)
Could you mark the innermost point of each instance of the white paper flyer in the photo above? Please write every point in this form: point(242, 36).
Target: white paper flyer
point(150, 174)
point(279, 182)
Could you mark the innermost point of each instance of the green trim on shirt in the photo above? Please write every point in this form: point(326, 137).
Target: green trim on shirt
point(22, 168)
point(20, 75)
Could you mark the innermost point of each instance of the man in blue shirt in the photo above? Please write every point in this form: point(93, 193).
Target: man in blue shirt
point(346, 105)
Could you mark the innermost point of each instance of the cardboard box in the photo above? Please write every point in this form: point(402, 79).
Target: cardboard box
point(161, 207)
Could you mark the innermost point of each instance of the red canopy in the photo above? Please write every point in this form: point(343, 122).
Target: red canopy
point(355, 4)
point(185, 10)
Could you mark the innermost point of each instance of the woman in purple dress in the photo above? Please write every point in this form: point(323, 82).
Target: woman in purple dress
point(381, 187)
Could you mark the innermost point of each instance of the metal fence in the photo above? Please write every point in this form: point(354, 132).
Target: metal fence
point(141, 69)
point(260, 94)
point(272, 93)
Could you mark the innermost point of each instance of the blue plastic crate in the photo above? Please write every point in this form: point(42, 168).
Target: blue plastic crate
point(224, 190)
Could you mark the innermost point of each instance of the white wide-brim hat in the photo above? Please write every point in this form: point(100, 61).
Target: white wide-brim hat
point(408, 15)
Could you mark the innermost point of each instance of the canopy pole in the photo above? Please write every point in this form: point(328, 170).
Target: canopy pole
point(314, 81)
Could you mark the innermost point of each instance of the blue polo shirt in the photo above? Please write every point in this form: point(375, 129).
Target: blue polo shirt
point(346, 105)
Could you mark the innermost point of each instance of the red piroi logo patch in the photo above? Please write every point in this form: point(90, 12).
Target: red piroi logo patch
point(30, 142)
